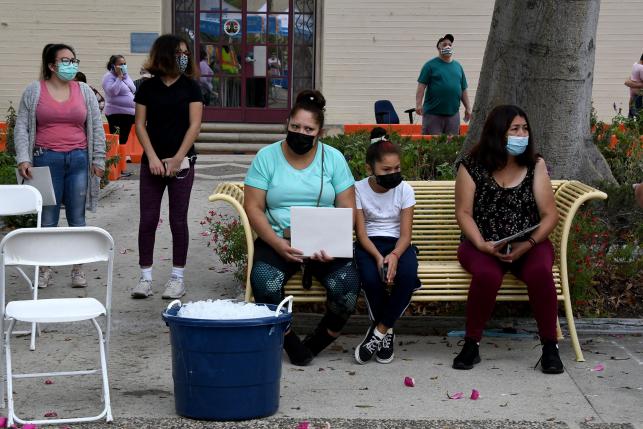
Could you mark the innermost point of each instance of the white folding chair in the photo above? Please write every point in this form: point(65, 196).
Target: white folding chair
point(21, 200)
point(56, 247)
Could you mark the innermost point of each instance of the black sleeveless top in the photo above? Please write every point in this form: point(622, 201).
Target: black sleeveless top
point(500, 212)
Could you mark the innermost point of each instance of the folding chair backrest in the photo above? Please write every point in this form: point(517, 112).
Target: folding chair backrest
point(385, 112)
point(20, 200)
point(57, 246)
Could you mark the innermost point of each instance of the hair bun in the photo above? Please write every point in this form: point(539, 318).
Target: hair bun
point(311, 96)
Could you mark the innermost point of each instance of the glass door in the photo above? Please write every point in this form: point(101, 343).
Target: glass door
point(244, 59)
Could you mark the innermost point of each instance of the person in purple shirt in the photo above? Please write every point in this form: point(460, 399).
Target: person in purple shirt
point(119, 99)
point(205, 81)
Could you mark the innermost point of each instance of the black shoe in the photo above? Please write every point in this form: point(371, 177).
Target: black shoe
point(469, 355)
point(297, 353)
point(318, 340)
point(385, 353)
point(368, 347)
point(550, 362)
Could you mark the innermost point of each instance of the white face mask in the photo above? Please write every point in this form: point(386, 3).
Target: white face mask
point(446, 51)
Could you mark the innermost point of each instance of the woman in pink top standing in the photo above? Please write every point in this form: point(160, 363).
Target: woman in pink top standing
point(119, 99)
point(59, 126)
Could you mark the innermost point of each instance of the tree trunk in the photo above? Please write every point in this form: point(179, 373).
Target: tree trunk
point(540, 56)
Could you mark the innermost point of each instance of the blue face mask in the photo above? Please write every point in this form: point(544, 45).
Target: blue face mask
point(517, 145)
point(124, 68)
point(66, 72)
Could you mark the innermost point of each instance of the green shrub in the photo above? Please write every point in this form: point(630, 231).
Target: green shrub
point(421, 159)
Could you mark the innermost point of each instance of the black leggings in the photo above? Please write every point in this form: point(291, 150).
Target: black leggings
point(123, 122)
point(270, 272)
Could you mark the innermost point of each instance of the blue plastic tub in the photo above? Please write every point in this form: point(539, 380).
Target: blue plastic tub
point(226, 369)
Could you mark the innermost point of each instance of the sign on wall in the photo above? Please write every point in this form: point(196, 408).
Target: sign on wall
point(141, 43)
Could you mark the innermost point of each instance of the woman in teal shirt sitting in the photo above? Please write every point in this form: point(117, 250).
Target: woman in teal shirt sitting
point(289, 173)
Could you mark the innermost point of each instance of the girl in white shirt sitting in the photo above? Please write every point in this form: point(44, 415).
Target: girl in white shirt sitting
point(384, 255)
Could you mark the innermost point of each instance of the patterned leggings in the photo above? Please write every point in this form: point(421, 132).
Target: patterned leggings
point(339, 277)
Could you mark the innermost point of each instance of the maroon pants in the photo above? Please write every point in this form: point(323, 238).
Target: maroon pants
point(151, 189)
point(534, 268)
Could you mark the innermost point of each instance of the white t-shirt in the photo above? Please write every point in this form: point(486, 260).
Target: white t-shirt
point(382, 211)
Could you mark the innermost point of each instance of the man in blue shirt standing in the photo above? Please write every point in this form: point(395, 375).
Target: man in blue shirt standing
point(442, 84)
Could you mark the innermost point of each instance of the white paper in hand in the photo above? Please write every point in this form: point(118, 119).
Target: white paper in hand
point(330, 229)
point(41, 180)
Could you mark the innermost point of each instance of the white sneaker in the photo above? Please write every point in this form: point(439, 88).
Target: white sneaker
point(78, 278)
point(174, 288)
point(143, 289)
point(44, 277)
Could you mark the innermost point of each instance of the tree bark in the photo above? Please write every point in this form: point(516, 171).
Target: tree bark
point(540, 56)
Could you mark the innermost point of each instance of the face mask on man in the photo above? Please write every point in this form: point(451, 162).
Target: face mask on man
point(389, 181)
point(446, 51)
point(66, 72)
point(182, 62)
point(299, 143)
point(517, 145)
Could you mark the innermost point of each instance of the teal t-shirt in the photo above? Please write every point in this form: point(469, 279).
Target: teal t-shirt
point(445, 83)
point(286, 186)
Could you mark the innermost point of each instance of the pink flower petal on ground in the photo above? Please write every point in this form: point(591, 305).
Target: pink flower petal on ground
point(49, 381)
point(409, 381)
point(51, 414)
point(456, 395)
point(29, 426)
point(475, 394)
point(598, 367)
point(3, 421)
point(303, 425)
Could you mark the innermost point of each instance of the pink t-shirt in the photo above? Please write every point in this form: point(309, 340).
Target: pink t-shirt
point(60, 126)
point(637, 76)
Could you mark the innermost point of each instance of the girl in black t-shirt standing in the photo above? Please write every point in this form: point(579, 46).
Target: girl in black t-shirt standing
point(168, 120)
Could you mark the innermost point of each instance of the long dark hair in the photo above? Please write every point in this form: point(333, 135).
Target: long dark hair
point(49, 53)
point(311, 101)
point(162, 60)
point(491, 152)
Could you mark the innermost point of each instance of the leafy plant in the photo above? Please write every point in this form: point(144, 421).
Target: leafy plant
point(10, 120)
point(421, 159)
point(228, 240)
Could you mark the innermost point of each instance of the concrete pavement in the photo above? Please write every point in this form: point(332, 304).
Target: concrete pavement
point(333, 389)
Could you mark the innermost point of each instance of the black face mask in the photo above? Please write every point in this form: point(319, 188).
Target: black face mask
point(299, 143)
point(389, 181)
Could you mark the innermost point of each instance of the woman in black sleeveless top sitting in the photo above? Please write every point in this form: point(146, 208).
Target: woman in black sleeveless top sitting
point(503, 188)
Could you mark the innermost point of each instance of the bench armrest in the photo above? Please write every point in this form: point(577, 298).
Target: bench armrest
point(232, 193)
point(570, 195)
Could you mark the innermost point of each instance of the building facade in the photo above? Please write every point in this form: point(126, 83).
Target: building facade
point(257, 54)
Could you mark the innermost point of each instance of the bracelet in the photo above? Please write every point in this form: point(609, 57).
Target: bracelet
point(532, 241)
point(396, 255)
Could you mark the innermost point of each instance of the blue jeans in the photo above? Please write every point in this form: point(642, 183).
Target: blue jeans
point(385, 307)
point(69, 176)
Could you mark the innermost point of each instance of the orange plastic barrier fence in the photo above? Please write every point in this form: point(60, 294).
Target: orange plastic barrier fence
point(134, 147)
point(401, 129)
point(114, 172)
point(3, 136)
point(397, 128)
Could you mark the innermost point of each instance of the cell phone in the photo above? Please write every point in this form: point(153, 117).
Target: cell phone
point(508, 249)
point(384, 273)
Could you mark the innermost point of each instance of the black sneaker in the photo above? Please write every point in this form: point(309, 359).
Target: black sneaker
point(367, 348)
point(550, 362)
point(297, 353)
point(469, 355)
point(385, 353)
